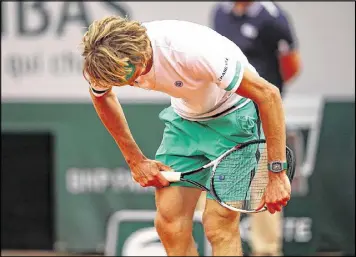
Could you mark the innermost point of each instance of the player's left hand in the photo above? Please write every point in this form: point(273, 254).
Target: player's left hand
point(277, 193)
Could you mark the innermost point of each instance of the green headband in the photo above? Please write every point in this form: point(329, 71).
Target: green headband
point(133, 69)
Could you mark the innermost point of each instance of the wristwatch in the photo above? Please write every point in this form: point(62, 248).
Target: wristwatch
point(277, 166)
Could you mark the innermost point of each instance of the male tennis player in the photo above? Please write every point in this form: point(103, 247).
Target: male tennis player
point(212, 88)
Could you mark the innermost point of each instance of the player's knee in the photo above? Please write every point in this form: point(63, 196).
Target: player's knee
point(170, 227)
point(220, 225)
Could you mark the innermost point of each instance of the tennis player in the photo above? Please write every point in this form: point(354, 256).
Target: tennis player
point(214, 94)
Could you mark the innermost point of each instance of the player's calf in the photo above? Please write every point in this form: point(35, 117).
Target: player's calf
point(175, 234)
point(174, 219)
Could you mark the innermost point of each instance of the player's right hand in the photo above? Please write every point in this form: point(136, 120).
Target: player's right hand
point(277, 193)
point(148, 173)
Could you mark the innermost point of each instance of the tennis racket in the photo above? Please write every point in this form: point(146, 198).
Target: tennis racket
point(238, 177)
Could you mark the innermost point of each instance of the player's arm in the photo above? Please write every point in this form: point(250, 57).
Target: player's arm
point(112, 116)
point(269, 102)
point(229, 69)
point(146, 172)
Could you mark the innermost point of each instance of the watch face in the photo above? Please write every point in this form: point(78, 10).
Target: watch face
point(276, 166)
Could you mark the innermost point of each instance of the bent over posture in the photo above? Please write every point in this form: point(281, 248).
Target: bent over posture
point(213, 89)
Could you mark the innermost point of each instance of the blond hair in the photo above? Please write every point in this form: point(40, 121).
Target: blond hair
point(109, 47)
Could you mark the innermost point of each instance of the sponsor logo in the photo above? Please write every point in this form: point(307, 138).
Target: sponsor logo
point(225, 69)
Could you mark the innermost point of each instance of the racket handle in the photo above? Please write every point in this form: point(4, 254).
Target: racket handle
point(171, 176)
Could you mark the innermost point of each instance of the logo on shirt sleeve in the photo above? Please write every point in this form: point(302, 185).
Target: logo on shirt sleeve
point(225, 69)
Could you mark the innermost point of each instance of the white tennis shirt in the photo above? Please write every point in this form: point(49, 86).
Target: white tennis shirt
point(196, 66)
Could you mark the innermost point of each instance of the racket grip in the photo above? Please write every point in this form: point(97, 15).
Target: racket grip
point(171, 176)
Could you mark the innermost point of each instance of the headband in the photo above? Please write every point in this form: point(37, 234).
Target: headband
point(133, 69)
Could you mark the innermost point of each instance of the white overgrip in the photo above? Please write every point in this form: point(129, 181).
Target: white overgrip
point(171, 176)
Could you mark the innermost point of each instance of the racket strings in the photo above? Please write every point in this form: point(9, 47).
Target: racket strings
point(241, 178)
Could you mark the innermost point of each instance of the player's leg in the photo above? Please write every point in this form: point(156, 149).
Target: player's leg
point(174, 219)
point(176, 203)
point(222, 229)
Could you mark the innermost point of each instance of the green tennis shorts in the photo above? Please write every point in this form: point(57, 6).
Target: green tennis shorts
point(188, 145)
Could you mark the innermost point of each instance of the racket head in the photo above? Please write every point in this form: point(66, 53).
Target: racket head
point(239, 179)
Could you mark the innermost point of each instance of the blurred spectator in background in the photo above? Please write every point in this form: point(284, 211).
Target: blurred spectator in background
point(264, 34)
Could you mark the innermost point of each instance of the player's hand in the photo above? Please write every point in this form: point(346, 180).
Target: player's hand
point(148, 173)
point(277, 193)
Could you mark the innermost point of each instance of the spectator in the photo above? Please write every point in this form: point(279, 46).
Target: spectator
point(264, 34)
